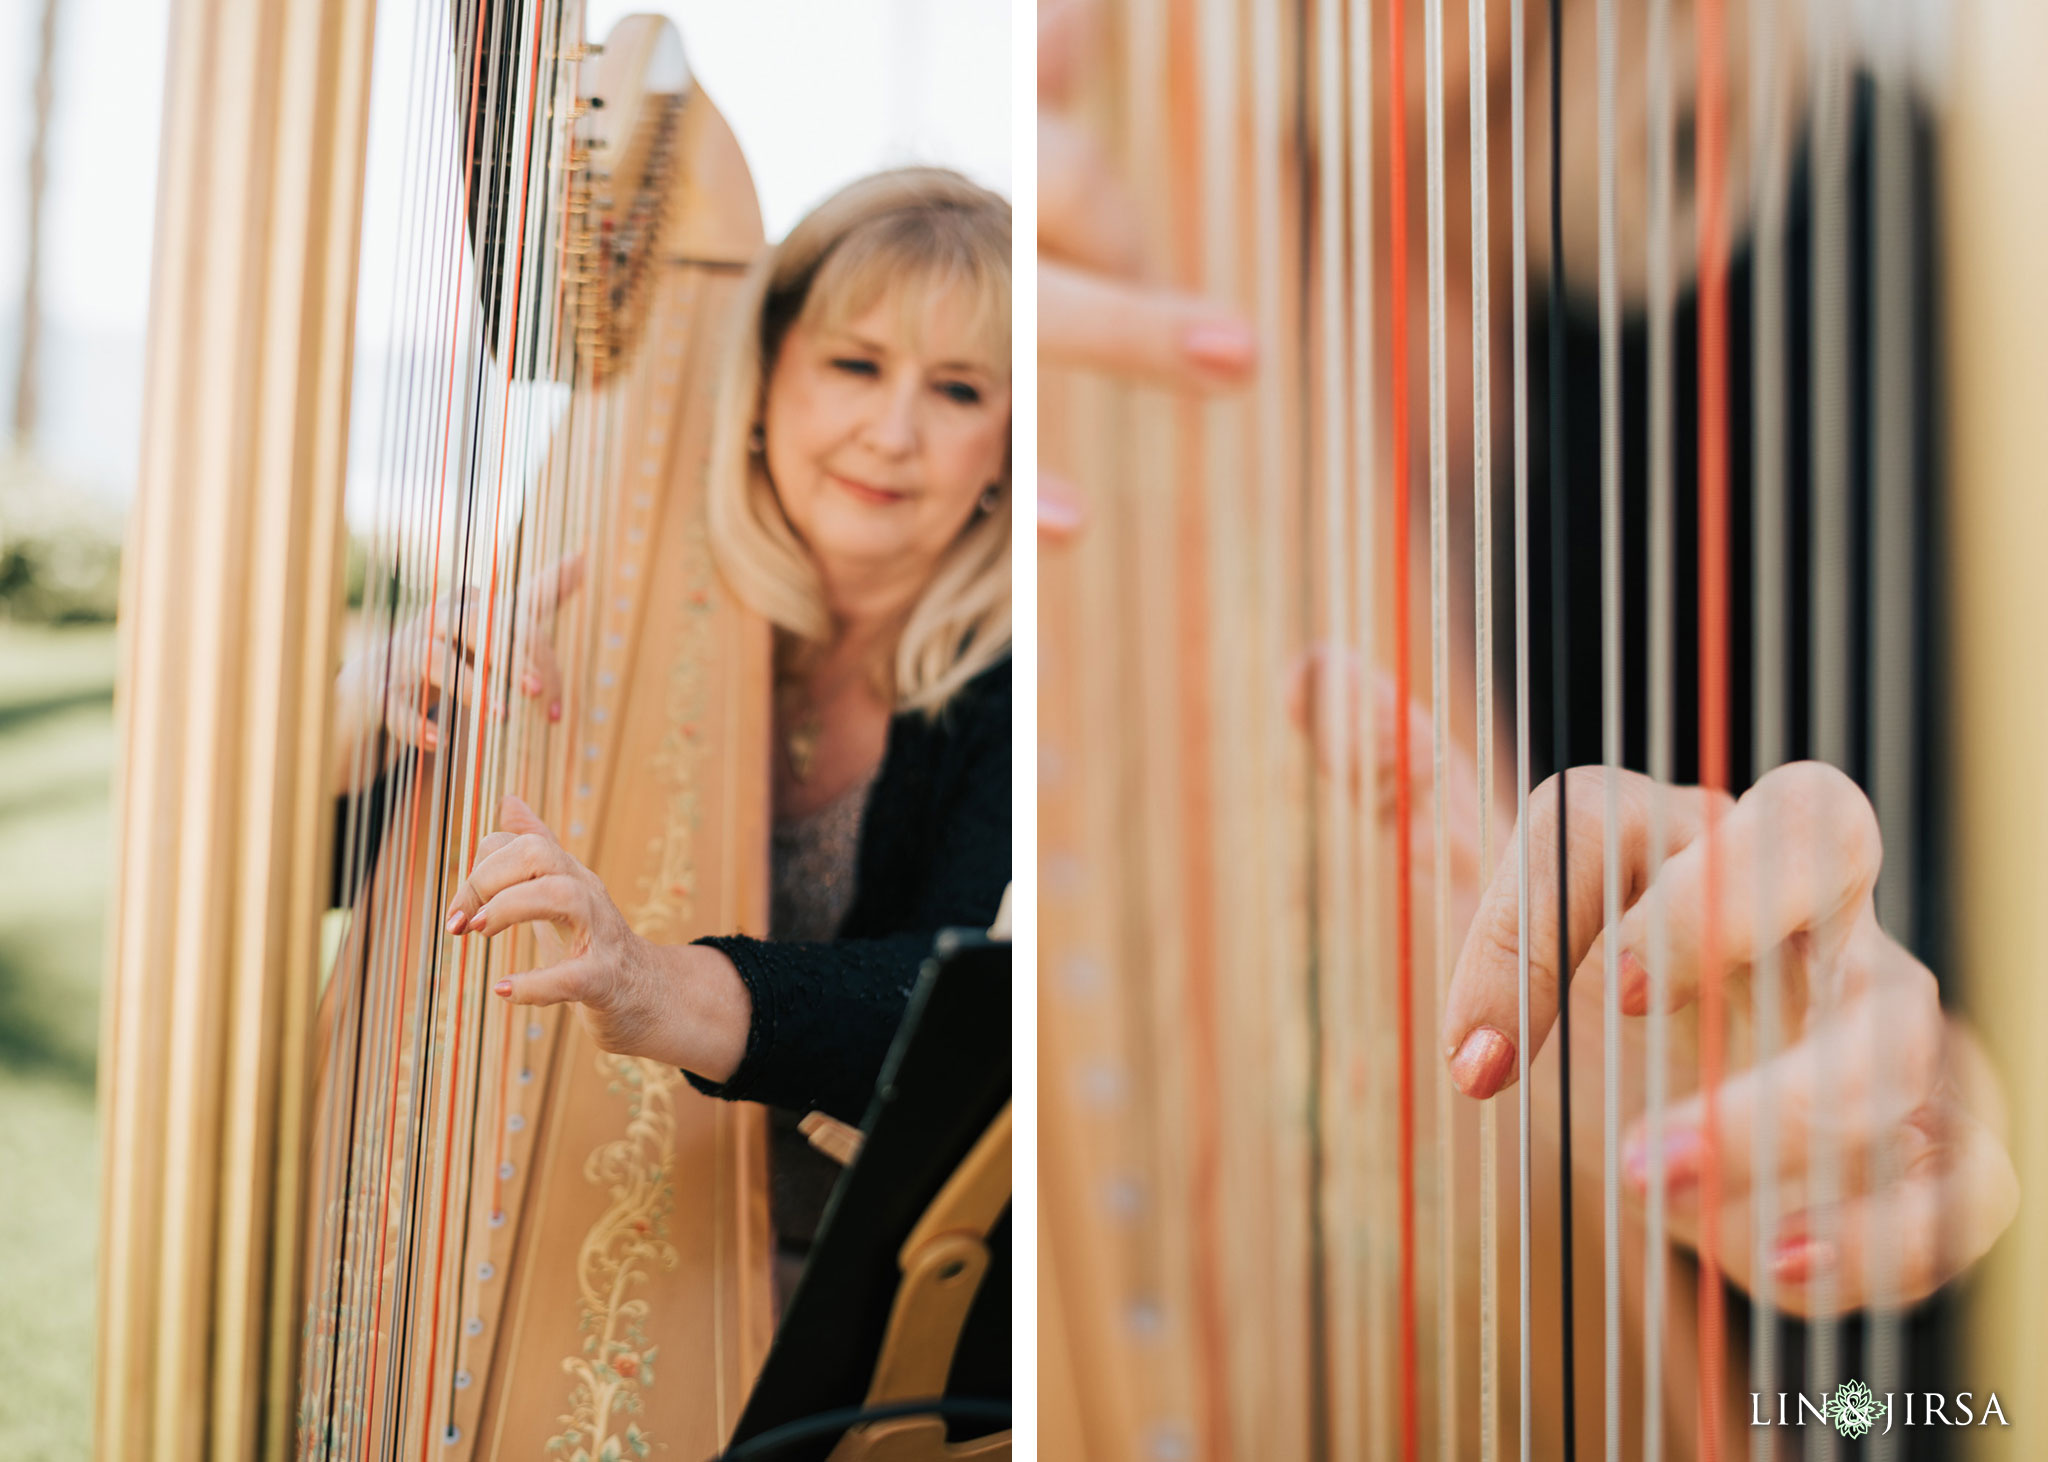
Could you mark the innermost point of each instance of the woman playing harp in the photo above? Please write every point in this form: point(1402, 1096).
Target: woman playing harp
point(858, 501)
point(1931, 1216)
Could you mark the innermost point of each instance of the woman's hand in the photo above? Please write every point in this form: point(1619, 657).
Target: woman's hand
point(1094, 310)
point(1871, 1075)
point(405, 685)
point(680, 1005)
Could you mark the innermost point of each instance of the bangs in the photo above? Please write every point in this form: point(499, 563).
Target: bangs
point(915, 257)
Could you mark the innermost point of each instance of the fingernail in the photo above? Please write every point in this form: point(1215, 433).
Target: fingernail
point(503, 987)
point(1681, 1158)
point(455, 922)
point(1058, 515)
point(554, 710)
point(1635, 984)
point(1801, 1258)
point(476, 922)
point(1221, 345)
point(1481, 1066)
point(530, 683)
point(429, 736)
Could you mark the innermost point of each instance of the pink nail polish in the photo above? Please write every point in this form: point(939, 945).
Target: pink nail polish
point(503, 987)
point(1058, 516)
point(455, 922)
point(1220, 345)
point(1681, 1158)
point(1635, 983)
point(1483, 1062)
point(554, 710)
point(1796, 1260)
point(530, 683)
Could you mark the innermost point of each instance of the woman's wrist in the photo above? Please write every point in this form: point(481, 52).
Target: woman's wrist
point(705, 1010)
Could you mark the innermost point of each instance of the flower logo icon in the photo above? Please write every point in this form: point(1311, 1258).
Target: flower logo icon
point(1852, 1409)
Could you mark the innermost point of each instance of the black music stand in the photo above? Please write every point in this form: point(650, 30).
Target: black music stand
point(943, 1089)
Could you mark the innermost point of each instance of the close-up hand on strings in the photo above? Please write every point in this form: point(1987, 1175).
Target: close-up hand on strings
point(1577, 946)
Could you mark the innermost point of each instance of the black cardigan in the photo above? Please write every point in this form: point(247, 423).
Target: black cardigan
point(934, 853)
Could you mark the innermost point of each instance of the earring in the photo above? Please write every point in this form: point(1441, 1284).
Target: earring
point(757, 442)
point(990, 497)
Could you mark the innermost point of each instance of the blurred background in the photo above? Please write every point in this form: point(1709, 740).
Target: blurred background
point(818, 91)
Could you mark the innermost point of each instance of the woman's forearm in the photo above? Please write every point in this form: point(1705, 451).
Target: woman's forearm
point(702, 1022)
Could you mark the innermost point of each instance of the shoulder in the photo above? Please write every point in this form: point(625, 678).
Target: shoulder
point(978, 711)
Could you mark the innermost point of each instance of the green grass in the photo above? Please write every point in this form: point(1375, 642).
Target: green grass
point(56, 749)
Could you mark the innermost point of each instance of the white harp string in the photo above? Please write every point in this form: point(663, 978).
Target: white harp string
point(1477, 82)
point(1829, 568)
point(1610, 724)
point(1662, 448)
point(1768, 148)
point(1895, 609)
point(1447, 1171)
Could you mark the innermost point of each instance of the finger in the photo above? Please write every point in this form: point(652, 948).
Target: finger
point(515, 815)
point(1481, 1011)
point(1818, 832)
point(550, 898)
point(555, 584)
point(1922, 1232)
point(542, 678)
point(1847, 1089)
point(1065, 37)
point(528, 855)
point(1060, 514)
point(572, 979)
point(1169, 339)
point(1085, 213)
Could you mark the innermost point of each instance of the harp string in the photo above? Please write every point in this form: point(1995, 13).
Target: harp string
point(1829, 625)
point(1893, 663)
point(1371, 1155)
point(1397, 553)
point(1478, 83)
point(1560, 690)
point(1447, 1173)
point(1713, 672)
point(393, 540)
point(1609, 46)
point(1768, 149)
point(1662, 460)
point(1519, 245)
point(1336, 708)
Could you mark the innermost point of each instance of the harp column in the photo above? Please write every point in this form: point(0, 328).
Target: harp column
point(227, 658)
point(1997, 345)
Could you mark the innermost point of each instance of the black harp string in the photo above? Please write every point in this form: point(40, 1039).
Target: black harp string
point(1560, 690)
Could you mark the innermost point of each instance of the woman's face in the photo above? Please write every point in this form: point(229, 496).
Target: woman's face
point(883, 433)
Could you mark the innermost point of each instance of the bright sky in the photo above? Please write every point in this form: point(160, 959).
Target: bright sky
point(818, 91)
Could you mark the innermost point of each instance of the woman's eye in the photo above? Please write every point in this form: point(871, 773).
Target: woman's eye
point(853, 365)
point(960, 392)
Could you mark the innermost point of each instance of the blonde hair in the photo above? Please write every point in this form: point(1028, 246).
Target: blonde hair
point(910, 224)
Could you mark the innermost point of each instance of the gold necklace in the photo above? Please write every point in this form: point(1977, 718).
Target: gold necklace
point(800, 741)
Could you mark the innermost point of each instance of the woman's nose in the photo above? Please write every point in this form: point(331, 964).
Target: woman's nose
point(893, 428)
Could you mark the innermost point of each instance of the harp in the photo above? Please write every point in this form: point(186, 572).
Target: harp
point(354, 1206)
point(1270, 1227)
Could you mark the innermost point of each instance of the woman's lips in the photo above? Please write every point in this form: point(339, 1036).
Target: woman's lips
point(881, 497)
